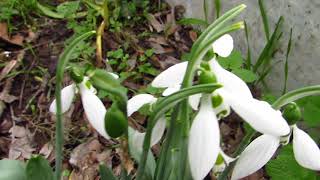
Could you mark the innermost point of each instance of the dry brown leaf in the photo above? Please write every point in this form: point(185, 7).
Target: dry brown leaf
point(20, 147)
point(47, 151)
point(158, 49)
point(6, 42)
point(6, 70)
point(193, 35)
point(155, 23)
point(158, 39)
point(86, 158)
point(4, 95)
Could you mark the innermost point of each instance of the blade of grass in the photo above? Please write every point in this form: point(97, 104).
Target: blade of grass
point(286, 66)
point(205, 9)
point(193, 21)
point(264, 19)
point(248, 60)
point(217, 5)
point(106, 173)
point(269, 48)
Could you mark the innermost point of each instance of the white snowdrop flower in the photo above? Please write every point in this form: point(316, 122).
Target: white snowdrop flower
point(223, 46)
point(255, 156)
point(92, 105)
point(235, 93)
point(133, 105)
point(261, 150)
point(204, 140)
point(306, 151)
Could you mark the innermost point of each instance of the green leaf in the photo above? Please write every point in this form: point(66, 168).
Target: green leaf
point(311, 114)
point(12, 169)
point(286, 66)
point(245, 75)
point(193, 21)
point(68, 8)
point(106, 173)
point(295, 95)
point(38, 168)
point(217, 5)
point(234, 61)
point(286, 167)
point(264, 19)
point(268, 50)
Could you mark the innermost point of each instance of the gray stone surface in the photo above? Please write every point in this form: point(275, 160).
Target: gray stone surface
point(303, 16)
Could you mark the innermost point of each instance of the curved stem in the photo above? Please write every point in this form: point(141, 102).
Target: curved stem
point(63, 61)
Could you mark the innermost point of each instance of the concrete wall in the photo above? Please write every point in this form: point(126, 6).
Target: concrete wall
point(303, 16)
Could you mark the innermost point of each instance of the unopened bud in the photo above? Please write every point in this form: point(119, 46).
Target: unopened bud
point(207, 77)
point(292, 113)
point(116, 122)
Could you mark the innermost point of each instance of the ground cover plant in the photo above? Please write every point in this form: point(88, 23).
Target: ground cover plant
point(129, 90)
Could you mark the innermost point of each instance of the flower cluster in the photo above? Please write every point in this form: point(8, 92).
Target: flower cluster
point(204, 151)
point(204, 138)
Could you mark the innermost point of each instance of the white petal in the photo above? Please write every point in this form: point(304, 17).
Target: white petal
point(194, 101)
point(67, 95)
point(171, 90)
point(230, 81)
point(255, 156)
point(158, 130)
point(259, 114)
point(136, 102)
point(306, 151)
point(204, 141)
point(94, 109)
point(116, 76)
point(171, 77)
point(156, 136)
point(223, 46)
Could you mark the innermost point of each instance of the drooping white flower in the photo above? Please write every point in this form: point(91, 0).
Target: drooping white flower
point(306, 151)
point(223, 46)
point(261, 150)
point(204, 141)
point(255, 156)
point(92, 105)
point(133, 105)
point(67, 96)
point(94, 109)
point(235, 94)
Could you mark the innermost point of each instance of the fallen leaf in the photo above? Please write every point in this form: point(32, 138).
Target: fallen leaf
point(158, 49)
point(20, 147)
point(155, 23)
point(47, 151)
point(7, 43)
point(193, 35)
point(86, 158)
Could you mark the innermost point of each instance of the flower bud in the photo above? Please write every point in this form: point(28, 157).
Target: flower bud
point(116, 122)
point(76, 75)
point(207, 77)
point(216, 100)
point(292, 113)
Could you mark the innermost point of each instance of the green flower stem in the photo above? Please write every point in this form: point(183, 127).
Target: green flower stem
point(63, 61)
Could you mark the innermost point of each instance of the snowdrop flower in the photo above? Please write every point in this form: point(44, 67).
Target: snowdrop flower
point(134, 104)
point(92, 105)
point(204, 137)
point(261, 150)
